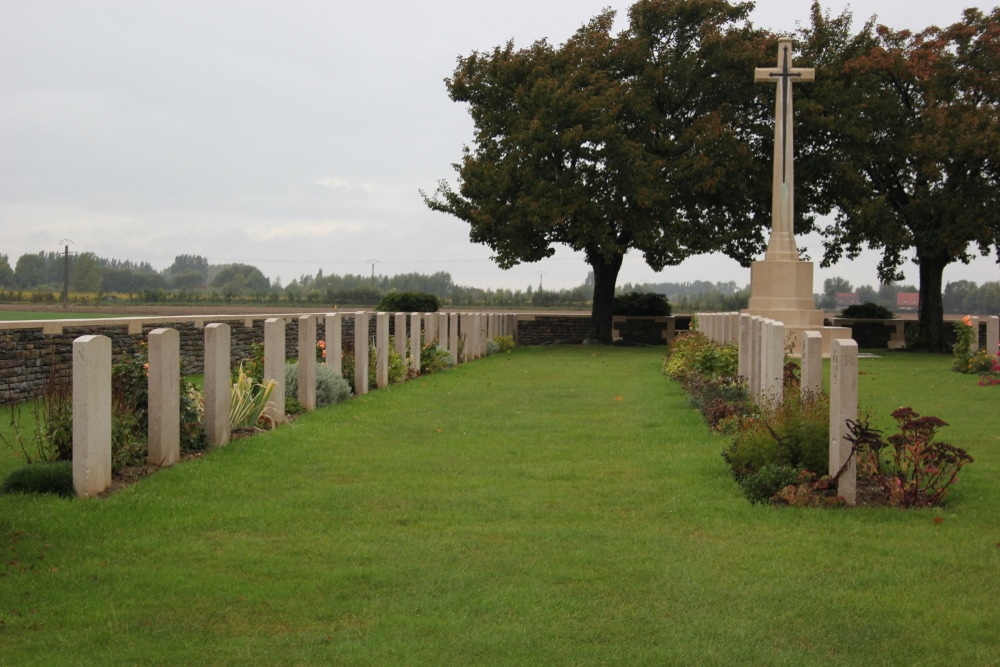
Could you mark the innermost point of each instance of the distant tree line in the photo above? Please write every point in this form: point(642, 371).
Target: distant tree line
point(192, 279)
point(959, 297)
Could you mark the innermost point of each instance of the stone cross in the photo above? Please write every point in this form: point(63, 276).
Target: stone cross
point(781, 245)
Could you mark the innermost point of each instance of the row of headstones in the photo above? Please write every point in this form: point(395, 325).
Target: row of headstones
point(992, 333)
point(92, 376)
point(761, 366)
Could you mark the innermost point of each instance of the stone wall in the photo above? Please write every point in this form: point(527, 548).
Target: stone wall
point(549, 329)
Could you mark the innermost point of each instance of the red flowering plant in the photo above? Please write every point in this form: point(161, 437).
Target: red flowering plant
point(911, 467)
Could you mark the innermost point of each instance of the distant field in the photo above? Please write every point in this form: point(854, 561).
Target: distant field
point(8, 315)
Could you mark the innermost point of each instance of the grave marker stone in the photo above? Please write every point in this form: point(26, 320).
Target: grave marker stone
point(360, 353)
point(91, 415)
point(812, 364)
point(164, 397)
point(382, 350)
point(399, 334)
point(335, 343)
point(307, 362)
point(415, 348)
point(453, 334)
point(274, 366)
point(218, 384)
point(843, 406)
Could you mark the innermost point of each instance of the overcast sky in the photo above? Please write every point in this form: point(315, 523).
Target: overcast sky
point(291, 135)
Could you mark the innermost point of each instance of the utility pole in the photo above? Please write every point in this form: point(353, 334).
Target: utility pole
point(373, 262)
point(65, 295)
point(540, 274)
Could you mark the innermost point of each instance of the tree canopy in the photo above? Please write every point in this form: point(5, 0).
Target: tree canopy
point(908, 125)
point(655, 139)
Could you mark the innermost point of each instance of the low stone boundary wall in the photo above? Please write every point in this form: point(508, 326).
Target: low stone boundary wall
point(34, 353)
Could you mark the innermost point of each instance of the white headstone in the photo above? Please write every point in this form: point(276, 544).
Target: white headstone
point(307, 362)
point(218, 384)
point(274, 366)
point(415, 348)
point(335, 343)
point(360, 353)
point(164, 402)
point(812, 364)
point(843, 406)
point(382, 350)
point(91, 415)
point(745, 341)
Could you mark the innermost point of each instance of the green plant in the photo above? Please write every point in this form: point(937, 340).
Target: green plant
point(762, 485)
point(504, 343)
point(330, 387)
point(693, 353)
point(249, 401)
point(962, 350)
point(867, 311)
point(408, 302)
point(913, 468)
point(47, 477)
point(130, 389)
point(641, 304)
point(48, 434)
point(795, 434)
point(491, 347)
point(434, 357)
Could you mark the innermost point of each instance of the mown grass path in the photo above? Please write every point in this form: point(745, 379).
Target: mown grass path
point(557, 505)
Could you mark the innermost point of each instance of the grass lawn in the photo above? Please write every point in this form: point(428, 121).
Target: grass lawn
point(557, 505)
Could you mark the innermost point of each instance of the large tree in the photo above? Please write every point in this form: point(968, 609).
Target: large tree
point(909, 125)
point(654, 139)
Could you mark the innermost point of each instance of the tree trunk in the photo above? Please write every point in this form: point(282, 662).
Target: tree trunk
point(605, 279)
point(930, 328)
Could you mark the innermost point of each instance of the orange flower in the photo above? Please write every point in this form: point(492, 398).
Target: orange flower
point(967, 320)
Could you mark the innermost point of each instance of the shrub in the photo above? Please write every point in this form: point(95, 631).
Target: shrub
point(761, 486)
point(914, 469)
point(693, 353)
point(962, 350)
point(330, 387)
point(130, 389)
point(641, 304)
point(504, 343)
point(795, 434)
point(491, 347)
point(867, 311)
point(55, 477)
point(434, 357)
point(408, 302)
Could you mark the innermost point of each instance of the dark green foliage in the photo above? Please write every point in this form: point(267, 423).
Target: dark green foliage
point(761, 486)
point(642, 304)
point(408, 302)
point(650, 138)
point(55, 478)
point(130, 396)
point(867, 311)
point(795, 434)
